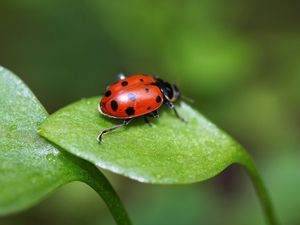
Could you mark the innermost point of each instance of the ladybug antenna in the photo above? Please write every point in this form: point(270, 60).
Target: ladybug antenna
point(183, 97)
point(121, 76)
point(187, 99)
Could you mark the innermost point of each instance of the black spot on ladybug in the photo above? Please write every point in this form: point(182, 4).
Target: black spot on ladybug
point(131, 97)
point(124, 83)
point(114, 105)
point(147, 90)
point(142, 80)
point(158, 99)
point(108, 93)
point(130, 111)
point(149, 108)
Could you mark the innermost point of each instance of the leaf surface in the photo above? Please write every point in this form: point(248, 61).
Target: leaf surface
point(169, 152)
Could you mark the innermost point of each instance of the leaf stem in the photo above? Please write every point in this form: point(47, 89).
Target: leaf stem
point(102, 186)
point(248, 163)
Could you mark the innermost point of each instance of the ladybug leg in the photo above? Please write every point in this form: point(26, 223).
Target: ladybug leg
point(172, 106)
point(178, 116)
point(125, 123)
point(147, 121)
point(155, 114)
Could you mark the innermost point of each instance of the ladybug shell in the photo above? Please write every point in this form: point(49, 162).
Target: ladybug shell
point(131, 97)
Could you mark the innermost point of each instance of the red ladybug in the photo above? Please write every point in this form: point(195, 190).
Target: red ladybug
point(135, 96)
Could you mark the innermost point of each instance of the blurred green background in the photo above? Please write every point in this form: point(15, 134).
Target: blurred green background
point(239, 61)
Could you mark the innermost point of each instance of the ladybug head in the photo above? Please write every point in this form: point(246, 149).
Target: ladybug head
point(170, 91)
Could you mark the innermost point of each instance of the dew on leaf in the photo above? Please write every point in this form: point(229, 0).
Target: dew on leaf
point(50, 157)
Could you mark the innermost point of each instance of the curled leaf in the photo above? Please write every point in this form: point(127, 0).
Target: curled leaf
point(30, 167)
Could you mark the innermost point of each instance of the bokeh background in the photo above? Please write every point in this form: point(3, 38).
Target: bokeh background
point(239, 61)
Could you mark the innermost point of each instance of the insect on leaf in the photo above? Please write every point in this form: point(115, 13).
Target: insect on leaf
point(169, 152)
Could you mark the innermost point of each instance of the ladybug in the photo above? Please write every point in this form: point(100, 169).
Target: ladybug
point(136, 96)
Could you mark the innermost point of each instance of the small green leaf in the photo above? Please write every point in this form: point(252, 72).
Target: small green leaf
point(169, 152)
point(31, 168)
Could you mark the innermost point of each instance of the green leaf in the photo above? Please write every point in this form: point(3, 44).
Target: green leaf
point(169, 152)
point(30, 167)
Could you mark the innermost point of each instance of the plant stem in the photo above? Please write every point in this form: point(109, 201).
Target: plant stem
point(102, 186)
point(247, 162)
